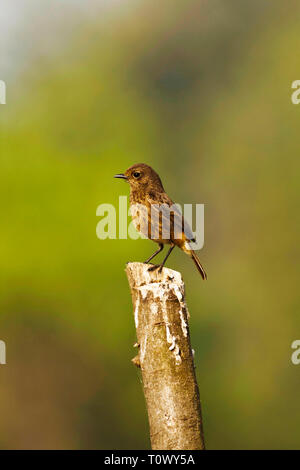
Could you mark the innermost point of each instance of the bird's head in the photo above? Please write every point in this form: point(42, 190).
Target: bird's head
point(141, 176)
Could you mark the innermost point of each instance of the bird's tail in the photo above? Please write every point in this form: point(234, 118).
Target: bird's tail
point(199, 265)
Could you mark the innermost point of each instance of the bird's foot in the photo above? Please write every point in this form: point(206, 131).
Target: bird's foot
point(156, 266)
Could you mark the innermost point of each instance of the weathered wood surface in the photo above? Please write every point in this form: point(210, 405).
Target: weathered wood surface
point(166, 358)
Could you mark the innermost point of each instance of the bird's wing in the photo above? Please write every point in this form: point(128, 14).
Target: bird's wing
point(172, 219)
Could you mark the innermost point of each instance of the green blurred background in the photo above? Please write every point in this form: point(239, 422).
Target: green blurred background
point(201, 91)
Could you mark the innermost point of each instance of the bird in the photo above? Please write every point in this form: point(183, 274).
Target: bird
point(156, 216)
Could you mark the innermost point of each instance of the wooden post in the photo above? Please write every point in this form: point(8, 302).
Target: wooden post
point(166, 358)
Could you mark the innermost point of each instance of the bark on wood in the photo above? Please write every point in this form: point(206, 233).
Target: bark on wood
point(166, 358)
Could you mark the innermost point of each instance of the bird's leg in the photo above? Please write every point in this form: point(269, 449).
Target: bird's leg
point(161, 246)
point(167, 256)
point(160, 266)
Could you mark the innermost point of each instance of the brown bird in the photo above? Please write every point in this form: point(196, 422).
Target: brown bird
point(156, 216)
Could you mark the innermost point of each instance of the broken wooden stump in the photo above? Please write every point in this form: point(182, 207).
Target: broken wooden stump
point(166, 358)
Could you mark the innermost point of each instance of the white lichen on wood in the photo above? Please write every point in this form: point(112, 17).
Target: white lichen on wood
point(171, 281)
point(183, 322)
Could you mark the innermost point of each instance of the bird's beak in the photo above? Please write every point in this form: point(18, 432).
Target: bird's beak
point(121, 175)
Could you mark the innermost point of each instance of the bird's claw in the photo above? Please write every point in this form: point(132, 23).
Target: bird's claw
point(156, 266)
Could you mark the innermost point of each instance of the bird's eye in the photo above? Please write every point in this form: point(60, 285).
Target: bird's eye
point(136, 174)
